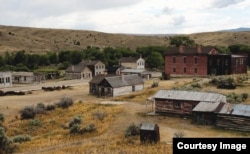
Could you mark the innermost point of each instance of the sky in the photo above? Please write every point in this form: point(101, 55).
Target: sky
point(128, 16)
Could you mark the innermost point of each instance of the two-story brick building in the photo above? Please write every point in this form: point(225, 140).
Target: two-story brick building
point(202, 61)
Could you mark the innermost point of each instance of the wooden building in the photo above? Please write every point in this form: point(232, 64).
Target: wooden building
point(180, 102)
point(85, 70)
point(27, 77)
point(5, 79)
point(205, 113)
point(234, 117)
point(78, 72)
point(149, 133)
point(132, 62)
point(202, 61)
point(117, 85)
point(141, 72)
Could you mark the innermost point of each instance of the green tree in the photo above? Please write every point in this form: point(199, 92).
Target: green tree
point(20, 58)
point(181, 40)
point(155, 60)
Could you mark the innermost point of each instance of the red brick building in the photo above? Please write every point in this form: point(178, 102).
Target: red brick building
point(202, 61)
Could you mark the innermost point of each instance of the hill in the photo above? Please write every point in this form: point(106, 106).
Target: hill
point(40, 40)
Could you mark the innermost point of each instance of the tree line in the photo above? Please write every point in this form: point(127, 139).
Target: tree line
point(22, 61)
point(153, 55)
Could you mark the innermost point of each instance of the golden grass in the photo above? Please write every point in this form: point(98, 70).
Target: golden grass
point(52, 137)
point(51, 131)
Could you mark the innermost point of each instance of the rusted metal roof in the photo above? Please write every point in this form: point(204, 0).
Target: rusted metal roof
point(147, 126)
point(236, 109)
point(189, 96)
point(208, 107)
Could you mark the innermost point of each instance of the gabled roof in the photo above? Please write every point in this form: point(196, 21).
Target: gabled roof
point(76, 68)
point(124, 80)
point(99, 77)
point(190, 96)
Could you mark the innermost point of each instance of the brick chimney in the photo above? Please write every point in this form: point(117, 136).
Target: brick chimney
point(181, 48)
point(198, 49)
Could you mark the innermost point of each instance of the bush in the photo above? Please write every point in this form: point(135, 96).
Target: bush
point(65, 102)
point(6, 145)
point(155, 84)
point(34, 122)
point(88, 129)
point(132, 130)
point(74, 129)
point(28, 112)
point(40, 108)
point(50, 107)
point(100, 115)
point(178, 134)
point(21, 138)
point(76, 120)
point(1, 117)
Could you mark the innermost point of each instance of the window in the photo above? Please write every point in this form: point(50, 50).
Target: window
point(195, 60)
point(177, 105)
point(195, 70)
point(184, 59)
point(184, 69)
point(174, 59)
point(174, 70)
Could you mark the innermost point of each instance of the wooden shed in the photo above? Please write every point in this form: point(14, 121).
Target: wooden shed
point(181, 102)
point(205, 112)
point(234, 117)
point(149, 133)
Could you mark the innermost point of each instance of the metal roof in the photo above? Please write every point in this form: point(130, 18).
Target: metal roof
point(124, 80)
point(147, 126)
point(236, 109)
point(208, 106)
point(189, 96)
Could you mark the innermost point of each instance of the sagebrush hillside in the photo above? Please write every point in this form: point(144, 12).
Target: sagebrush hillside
point(40, 40)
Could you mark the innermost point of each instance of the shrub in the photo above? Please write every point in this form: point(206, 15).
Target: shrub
point(40, 108)
point(100, 115)
point(132, 130)
point(34, 122)
point(28, 112)
point(244, 96)
point(155, 84)
point(74, 129)
point(6, 145)
point(76, 120)
point(21, 138)
point(89, 128)
point(179, 134)
point(50, 107)
point(1, 117)
point(65, 102)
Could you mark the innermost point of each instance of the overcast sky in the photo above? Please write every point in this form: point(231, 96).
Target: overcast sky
point(128, 16)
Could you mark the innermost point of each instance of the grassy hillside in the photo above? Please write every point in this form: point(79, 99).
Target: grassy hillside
point(39, 40)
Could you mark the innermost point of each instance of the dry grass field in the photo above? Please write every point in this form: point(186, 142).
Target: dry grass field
point(41, 40)
point(50, 134)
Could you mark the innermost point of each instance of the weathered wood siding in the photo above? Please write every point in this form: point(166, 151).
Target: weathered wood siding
point(228, 121)
point(168, 107)
point(203, 118)
point(122, 91)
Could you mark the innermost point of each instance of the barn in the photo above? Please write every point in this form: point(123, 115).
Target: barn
point(234, 117)
point(149, 133)
point(181, 102)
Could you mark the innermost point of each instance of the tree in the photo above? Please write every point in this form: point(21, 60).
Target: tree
point(181, 40)
point(155, 60)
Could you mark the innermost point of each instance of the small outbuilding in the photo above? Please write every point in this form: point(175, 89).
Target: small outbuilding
point(149, 133)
